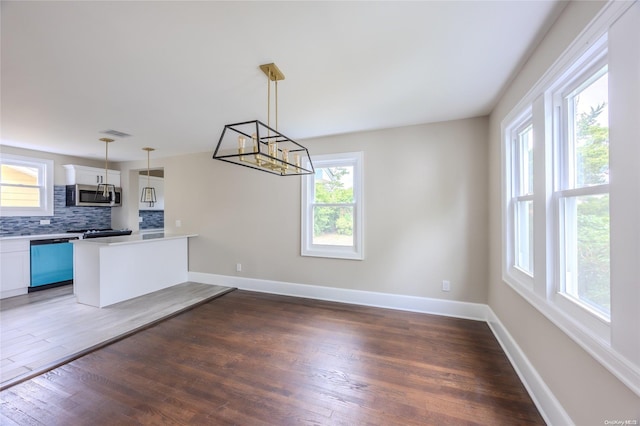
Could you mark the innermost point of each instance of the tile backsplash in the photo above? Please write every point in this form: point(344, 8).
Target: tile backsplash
point(152, 219)
point(64, 218)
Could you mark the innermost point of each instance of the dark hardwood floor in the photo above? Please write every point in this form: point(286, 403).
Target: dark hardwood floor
point(256, 359)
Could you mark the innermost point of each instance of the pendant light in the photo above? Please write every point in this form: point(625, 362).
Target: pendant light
point(270, 150)
point(148, 192)
point(106, 190)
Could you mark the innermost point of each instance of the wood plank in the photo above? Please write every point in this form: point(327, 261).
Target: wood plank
point(44, 329)
point(251, 358)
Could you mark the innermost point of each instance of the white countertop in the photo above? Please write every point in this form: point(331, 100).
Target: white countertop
point(41, 236)
point(133, 238)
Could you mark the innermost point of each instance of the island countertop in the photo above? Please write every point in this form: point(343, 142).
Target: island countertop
point(108, 270)
point(133, 238)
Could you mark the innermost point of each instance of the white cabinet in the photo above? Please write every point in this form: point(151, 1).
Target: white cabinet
point(158, 184)
point(15, 261)
point(90, 175)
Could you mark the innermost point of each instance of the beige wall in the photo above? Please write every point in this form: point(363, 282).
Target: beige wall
point(587, 391)
point(58, 161)
point(432, 210)
point(425, 214)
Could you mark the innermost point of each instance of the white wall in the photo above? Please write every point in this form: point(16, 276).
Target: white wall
point(589, 393)
point(425, 214)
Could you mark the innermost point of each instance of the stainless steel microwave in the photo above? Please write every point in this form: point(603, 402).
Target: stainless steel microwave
point(88, 195)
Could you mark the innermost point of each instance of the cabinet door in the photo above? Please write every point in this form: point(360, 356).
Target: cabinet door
point(114, 177)
point(89, 176)
point(14, 273)
point(83, 175)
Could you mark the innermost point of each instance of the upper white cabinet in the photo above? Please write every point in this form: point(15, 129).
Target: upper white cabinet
point(158, 184)
point(84, 175)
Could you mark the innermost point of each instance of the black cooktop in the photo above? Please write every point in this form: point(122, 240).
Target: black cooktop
point(98, 233)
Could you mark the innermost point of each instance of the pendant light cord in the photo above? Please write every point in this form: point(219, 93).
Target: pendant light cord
point(270, 77)
point(106, 164)
point(269, 100)
point(148, 154)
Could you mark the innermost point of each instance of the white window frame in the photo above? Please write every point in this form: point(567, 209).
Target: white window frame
point(356, 251)
point(593, 60)
point(45, 177)
point(512, 178)
point(612, 344)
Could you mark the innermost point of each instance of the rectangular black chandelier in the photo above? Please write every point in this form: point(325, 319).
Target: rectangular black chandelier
point(255, 145)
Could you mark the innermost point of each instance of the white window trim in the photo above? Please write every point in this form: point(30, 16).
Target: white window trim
point(46, 170)
point(542, 296)
point(589, 63)
point(510, 272)
point(355, 252)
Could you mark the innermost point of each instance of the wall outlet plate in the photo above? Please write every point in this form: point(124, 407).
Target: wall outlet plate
point(446, 285)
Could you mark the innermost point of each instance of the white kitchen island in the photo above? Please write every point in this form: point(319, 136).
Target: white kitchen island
point(113, 269)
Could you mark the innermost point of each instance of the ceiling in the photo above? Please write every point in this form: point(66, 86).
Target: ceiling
point(173, 73)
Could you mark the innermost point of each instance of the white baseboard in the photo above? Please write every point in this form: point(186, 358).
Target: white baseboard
point(474, 311)
point(549, 407)
point(12, 293)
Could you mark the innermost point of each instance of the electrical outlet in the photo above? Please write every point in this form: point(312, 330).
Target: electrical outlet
point(446, 285)
point(45, 222)
point(178, 223)
point(238, 267)
point(140, 219)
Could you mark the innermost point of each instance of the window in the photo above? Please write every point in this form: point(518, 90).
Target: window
point(582, 189)
point(26, 186)
point(574, 254)
point(521, 207)
point(585, 251)
point(332, 207)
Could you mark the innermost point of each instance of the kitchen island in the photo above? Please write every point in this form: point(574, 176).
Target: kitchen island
point(113, 269)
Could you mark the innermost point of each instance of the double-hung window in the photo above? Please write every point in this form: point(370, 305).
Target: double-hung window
point(26, 186)
point(582, 187)
point(522, 195)
point(574, 253)
point(332, 207)
point(585, 249)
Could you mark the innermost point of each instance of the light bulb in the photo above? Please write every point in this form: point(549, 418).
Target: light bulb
point(241, 141)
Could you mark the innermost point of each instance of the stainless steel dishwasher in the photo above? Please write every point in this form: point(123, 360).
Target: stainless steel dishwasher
point(51, 262)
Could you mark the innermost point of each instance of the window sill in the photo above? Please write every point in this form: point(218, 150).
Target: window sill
point(599, 347)
point(330, 252)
